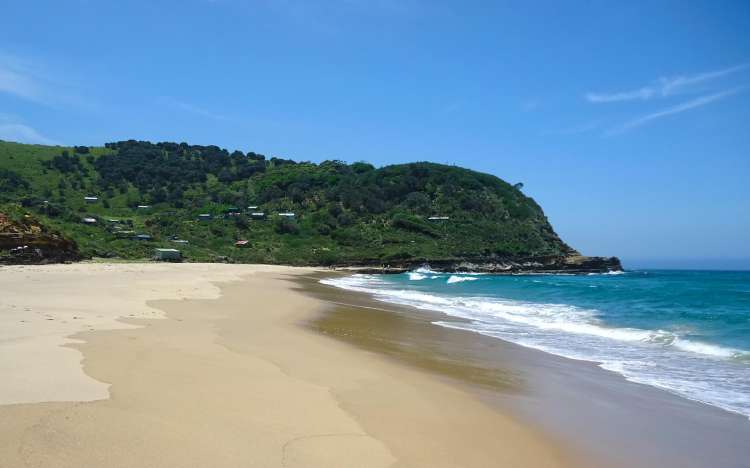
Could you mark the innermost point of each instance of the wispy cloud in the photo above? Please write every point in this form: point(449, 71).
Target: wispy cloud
point(15, 79)
point(32, 81)
point(664, 87)
point(21, 133)
point(192, 109)
point(686, 106)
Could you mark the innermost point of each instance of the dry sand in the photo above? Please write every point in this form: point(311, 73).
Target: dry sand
point(42, 306)
point(227, 375)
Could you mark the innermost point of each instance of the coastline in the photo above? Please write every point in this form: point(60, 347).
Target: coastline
point(601, 415)
point(572, 263)
point(224, 370)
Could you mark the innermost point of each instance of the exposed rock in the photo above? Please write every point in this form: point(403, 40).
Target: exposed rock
point(25, 241)
point(570, 264)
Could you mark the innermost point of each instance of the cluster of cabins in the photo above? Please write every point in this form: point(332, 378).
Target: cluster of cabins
point(123, 229)
point(252, 211)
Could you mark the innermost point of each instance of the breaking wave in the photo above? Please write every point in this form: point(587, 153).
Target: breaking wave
point(661, 358)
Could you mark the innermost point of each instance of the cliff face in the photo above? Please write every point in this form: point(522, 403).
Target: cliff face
point(25, 241)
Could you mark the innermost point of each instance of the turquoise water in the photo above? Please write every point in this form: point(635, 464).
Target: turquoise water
point(687, 332)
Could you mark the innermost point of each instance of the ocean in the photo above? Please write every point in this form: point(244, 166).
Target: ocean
point(687, 332)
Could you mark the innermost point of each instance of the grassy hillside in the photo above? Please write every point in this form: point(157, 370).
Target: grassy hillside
point(344, 213)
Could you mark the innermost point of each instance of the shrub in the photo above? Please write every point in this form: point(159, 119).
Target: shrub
point(286, 226)
point(412, 224)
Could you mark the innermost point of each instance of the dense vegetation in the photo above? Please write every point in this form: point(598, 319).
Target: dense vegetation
point(344, 213)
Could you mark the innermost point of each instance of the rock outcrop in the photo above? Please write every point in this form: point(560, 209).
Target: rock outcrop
point(24, 240)
point(573, 263)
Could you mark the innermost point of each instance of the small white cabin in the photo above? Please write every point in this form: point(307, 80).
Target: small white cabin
point(169, 255)
point(124, 234)
point(91, 199)
point(89, 221)
point(287, 214)
point(439, 218)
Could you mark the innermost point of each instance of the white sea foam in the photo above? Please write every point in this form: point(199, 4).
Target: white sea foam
point(425, 269)
point(460, 279)
point(659, 358)
point(558, 317)
point(414, 276)
point(708, 349)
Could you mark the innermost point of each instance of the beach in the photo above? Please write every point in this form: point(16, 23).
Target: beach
point(230, 365)
point(597, 414)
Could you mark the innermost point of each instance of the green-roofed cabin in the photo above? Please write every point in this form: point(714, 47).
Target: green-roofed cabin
point(167, 255)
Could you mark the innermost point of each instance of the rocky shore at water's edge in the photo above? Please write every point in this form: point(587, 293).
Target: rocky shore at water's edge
point(569, 264)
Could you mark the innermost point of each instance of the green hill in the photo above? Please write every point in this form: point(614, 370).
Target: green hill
point(343, 213)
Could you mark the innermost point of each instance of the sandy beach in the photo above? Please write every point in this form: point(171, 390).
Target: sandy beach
point(600, 416)
point(224, 365)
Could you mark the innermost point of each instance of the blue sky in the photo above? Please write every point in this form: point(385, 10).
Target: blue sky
point(628, 122)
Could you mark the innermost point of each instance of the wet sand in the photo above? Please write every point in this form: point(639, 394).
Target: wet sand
point(600, 416)
point(231, 373)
